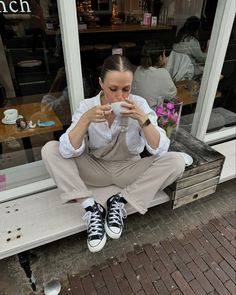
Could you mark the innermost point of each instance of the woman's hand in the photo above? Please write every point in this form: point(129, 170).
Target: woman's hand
point(133, 111)
point(97, 114)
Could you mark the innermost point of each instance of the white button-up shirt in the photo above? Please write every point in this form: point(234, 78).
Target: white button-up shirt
point(99, 134)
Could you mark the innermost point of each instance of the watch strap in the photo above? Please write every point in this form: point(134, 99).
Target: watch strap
point(146, 123)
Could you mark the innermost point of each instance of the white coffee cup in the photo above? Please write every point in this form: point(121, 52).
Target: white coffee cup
point(11, 115)
point(117, 108)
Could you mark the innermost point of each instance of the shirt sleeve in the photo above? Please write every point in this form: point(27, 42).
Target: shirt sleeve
point(65, 147)
point(197, 52)
point(172, 90)
point(164, 140)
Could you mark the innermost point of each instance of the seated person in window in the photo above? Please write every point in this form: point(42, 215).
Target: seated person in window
point(101, 148)
point(187, 43)
point(151, 79)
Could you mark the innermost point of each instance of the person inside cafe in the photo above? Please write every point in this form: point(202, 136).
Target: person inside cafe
point(187, 43)
point(101, 149)
point(151, 79)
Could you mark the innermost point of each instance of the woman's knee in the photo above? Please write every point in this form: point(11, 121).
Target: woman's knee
point(178, 162)
point(49, 149)
point(175, 161)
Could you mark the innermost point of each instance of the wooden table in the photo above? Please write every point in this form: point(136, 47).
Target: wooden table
point(184, 93)
point(30, 111)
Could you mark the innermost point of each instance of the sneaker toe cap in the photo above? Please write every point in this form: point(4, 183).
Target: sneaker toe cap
point(115, 229)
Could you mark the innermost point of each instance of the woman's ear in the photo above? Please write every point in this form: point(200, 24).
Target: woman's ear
point(100, 82)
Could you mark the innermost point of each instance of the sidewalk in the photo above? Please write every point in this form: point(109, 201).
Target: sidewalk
point(190, 250)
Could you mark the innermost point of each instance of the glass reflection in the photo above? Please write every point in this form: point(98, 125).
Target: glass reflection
point(32, 81)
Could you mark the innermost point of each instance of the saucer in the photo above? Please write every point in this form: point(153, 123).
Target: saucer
point(4, 121)
point(187, 159)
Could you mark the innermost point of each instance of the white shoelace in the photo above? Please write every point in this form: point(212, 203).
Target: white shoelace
point(117, 212)
point(93, 222)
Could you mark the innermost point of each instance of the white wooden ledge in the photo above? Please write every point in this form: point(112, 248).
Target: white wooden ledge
point(39, 219)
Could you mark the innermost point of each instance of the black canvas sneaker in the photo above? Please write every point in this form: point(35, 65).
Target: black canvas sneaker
point(94, 218)
point(115, 214)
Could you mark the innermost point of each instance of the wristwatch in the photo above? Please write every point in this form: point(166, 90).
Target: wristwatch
point(146, 123)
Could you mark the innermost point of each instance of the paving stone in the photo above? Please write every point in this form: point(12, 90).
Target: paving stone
point(182, 284)
point(196, 257)
point(215, 267)
point(202, 280)
point(97, 278)
point(75, 285)
point(225, 243)
point(161, 288)
point(165, 276)
point(216, 283)
point(182, 267)
point(222, 229)
point(190, 239)
point(227, 257)
point(88, 286)
point(133, 260)
point(152, 274)
point(150, 251)
point(181, 251)
point(231, 287)
point(145, 281)
point(208, 235)
point(197, 288)
point(229, 270)
point(110, 281)
point(165, 259)
point(124, 286)
point(167, 246)
point(102, 291)
point(131, 276)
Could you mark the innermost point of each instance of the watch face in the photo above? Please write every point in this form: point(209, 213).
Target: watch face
point(146, 123)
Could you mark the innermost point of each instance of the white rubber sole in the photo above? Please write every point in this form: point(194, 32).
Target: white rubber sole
point(111, 234)
point(99, 246)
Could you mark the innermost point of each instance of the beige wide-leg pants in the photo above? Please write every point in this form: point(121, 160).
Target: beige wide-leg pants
point(139, 179)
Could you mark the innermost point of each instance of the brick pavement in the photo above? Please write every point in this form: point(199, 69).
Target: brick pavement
point(182, 249)
point(201, 261)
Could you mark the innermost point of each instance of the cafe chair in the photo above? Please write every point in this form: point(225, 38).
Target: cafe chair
point(180, 66)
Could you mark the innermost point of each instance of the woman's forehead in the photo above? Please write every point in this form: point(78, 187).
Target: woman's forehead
point(116, 76)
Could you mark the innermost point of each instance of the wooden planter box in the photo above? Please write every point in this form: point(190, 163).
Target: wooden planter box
point(201, 178)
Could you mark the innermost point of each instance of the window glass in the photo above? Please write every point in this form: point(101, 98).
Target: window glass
point(34, 102)
point(166, 41)
point(223, 114)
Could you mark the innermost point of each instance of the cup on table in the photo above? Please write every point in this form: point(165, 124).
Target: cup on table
point(11, 115)
point(117, 108)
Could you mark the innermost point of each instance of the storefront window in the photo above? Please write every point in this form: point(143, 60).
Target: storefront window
point(34, 101)
point(146, 29)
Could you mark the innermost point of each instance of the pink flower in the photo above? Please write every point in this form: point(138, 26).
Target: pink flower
point(170, 106)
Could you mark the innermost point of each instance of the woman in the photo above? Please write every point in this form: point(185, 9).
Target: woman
point(151, 79)
point(100, 149)
point(187, 43)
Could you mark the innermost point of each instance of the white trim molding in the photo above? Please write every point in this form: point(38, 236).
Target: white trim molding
point(71, 49)
point(224, 18)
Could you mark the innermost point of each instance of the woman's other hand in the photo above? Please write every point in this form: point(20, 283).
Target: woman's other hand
point(133, 111)
point(97, 114)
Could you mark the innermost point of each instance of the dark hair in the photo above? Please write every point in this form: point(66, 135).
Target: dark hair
point(151, 52)
point(189, 29)
point(115, 62)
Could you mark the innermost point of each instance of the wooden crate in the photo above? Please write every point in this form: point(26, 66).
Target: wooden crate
point(201, 178)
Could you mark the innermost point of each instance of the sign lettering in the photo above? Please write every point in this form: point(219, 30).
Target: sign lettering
point(20, 6)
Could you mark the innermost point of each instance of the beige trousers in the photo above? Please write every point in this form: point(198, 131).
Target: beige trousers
point(139, 179)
